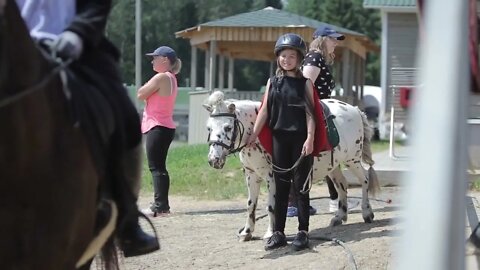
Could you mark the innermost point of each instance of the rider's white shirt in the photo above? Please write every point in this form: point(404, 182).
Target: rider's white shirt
point(47, 18)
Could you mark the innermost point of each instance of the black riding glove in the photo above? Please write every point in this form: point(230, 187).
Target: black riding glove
point(68, 45)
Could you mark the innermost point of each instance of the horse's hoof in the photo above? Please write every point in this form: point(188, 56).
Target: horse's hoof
point(335, 222)
point(369, 218)
point(245, 238)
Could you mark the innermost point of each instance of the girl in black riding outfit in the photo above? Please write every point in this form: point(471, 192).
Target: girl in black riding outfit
point(288, 110)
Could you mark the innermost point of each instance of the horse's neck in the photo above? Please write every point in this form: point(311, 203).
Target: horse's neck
point(247, 114)
point(22, 63)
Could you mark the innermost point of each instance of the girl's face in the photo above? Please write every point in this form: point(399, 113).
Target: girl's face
point(288, 59)
point(330, 44)
point(160, 63)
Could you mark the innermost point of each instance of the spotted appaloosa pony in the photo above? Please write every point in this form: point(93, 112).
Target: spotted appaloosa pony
point(231, 123)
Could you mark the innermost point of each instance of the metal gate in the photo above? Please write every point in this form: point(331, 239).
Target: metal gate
point(399, 78)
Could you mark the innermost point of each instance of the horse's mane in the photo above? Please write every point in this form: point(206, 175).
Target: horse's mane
point(216, 98)
point(217, 101)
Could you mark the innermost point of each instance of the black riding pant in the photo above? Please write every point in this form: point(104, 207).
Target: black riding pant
point(287, 147)
point(158, 141)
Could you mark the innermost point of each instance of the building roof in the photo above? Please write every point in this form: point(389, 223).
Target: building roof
point(389, 3)
point(271, 17)
point(252, 35)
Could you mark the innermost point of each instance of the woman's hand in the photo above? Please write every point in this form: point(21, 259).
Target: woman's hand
point(308, 146)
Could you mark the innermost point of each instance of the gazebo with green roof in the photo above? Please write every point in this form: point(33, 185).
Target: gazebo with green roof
point(252, 36)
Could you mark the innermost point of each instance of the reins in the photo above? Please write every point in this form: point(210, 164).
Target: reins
point(32, 89)
point(278, 169)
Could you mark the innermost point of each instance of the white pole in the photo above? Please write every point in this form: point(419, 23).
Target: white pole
point(434, 237)
point(138, 47)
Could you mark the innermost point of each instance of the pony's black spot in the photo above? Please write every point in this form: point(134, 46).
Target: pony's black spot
point(249, 202)
point(247, 230)
point(331, 101)
point(357, 141)
point(270, 209)
point(343, 103)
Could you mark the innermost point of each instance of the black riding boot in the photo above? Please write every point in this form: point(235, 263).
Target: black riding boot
point(161, 185)
point(133, 240)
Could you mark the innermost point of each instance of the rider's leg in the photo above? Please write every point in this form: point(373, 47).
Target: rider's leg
point(100, 67)
point(133, 240)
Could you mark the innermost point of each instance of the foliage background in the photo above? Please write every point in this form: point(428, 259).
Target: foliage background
point(161, 19)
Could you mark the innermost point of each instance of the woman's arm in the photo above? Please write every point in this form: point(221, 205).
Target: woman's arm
point(308, 145)
point(90, 20)
point(160, 82)
point(261, 117)
point(311, 72)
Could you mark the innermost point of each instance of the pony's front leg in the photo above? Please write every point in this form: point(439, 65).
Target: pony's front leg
point(367, 211)
point(341, 184)
point(253, 184)
point(271, 204)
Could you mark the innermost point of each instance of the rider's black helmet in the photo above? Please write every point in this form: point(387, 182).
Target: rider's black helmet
point(290, 41)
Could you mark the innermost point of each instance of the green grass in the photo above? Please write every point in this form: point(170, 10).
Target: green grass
point(190, 174)
point(475, 184)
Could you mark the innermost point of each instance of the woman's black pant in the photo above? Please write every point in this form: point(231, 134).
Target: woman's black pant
point(158, 141)
point(287, 147)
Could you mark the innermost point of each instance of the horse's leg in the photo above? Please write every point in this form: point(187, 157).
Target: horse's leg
point(253, 184)
point(359, 172)
point(341, 184)
point(271, 204)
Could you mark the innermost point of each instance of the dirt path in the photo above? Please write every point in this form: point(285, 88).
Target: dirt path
point(202, 235)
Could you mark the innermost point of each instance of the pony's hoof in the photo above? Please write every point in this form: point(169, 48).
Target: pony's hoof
point(335, 222)
point(369, 218)
point(245, 238)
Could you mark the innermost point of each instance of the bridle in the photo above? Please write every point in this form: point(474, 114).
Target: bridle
point(238, 129)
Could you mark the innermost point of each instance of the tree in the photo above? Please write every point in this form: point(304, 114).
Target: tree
point(348, 14)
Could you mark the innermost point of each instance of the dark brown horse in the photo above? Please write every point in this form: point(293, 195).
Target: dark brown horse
point(48, 181)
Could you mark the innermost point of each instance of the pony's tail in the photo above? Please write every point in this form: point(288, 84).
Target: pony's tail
point(373, 184)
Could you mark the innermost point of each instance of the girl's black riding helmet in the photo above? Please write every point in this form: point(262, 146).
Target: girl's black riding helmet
point(290, 41)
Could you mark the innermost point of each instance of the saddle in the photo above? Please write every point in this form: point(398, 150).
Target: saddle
point(330, 128)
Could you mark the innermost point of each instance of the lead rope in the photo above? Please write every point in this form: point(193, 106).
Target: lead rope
point(307, 185)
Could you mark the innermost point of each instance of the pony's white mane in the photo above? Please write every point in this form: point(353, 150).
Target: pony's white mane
point(216, 98)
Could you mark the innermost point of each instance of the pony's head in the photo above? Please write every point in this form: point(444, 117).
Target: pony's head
point(223, 128)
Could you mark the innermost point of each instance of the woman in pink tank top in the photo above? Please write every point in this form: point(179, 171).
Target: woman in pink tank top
point(159, 94)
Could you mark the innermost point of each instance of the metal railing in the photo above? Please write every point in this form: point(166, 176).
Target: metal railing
point(400, 78)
